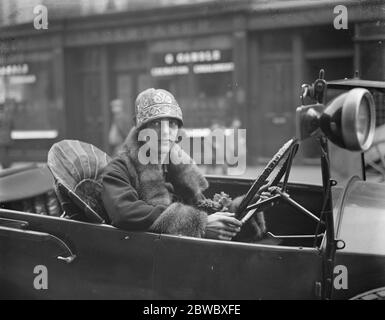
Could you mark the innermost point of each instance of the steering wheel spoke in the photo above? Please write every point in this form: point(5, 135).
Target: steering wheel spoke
point(262, 182)
point(260, 205)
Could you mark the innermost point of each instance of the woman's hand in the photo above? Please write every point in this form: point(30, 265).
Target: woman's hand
point(222, 226)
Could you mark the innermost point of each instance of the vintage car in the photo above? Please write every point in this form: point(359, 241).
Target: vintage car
point(323, 242)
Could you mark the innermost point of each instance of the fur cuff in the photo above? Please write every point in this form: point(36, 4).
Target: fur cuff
point(180, 219)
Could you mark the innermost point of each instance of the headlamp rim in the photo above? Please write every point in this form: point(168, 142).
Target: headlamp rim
point(350, 112)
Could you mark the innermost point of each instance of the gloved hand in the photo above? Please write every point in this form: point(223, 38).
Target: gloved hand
point(255, 228)
point(222, 226)
point(252, 231)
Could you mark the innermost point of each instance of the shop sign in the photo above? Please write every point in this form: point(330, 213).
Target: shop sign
point(22, 79)
point(14, 69)
point(193, 57)
point(214, 67)
point(34, 134)
point(169, 71)
point(199, 61)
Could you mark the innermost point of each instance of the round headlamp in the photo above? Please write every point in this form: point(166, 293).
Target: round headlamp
point(349, 120)
point(358, 119)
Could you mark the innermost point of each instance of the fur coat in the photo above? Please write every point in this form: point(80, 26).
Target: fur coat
point(144, 197)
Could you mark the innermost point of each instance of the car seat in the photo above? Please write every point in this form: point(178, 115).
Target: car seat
point(29, 188)
point(77, 167)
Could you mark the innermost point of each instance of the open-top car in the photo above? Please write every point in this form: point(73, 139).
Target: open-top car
point(323, 242)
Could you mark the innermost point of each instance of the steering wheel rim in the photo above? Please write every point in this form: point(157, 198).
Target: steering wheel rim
point(260, 181)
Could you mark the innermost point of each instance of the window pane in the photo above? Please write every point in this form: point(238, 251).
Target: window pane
point(214, 99)
point(31, 87)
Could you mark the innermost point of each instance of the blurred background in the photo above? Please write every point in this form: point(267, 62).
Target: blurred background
point(225, 61)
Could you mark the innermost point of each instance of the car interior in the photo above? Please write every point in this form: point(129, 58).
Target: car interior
point(286, 225)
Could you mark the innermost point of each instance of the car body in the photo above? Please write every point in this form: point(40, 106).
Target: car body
point(84, 260)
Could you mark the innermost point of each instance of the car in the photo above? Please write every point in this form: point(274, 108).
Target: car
point(323, 242)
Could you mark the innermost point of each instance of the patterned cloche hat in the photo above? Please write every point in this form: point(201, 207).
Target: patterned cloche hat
point(154, 104)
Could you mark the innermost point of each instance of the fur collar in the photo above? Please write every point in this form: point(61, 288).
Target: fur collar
point(186, 179)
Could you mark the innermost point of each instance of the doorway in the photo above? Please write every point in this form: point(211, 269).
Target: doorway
point(84, 93)
point(276, 105)
point(126, 86)
point(128, 75)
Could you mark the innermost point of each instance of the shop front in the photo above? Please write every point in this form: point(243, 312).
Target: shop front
point(97, 75)
point(199, 73)
point(224, 63)
point(28, 90)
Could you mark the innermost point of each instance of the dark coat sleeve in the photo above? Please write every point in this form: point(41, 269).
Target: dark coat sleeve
point(122, 202)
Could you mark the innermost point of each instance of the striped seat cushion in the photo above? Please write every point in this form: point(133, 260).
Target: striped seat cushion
point(77, 167)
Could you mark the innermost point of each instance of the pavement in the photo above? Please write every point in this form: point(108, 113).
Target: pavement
point(301, 174)
point(309, 174)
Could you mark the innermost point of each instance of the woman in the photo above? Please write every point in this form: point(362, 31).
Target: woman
point(160, 196)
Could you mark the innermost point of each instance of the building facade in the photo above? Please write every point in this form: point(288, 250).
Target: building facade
point(222, 60)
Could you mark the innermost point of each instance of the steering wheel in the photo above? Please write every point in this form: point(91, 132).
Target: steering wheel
point(261, 183)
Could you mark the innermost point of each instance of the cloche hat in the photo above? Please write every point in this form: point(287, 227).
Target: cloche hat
point(154, 104)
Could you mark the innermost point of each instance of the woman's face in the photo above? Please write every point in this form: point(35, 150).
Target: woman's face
point(166, 132)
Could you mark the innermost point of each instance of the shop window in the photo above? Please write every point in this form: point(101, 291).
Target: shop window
point(179, 87)
point(214, 98)
point(207, 101)
point(202, 82)
point(30, 87)
point(129, 76)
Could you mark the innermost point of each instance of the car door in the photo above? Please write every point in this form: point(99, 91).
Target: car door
point(188, 268)
point(107, 263)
